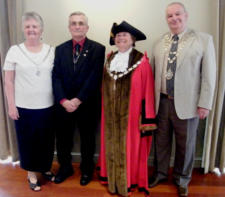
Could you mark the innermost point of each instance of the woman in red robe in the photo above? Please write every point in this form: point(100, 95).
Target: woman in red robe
point(128, 115)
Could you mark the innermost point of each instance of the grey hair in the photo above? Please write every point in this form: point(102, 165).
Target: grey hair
point(178, 3)
point(78, 13)
point(35, 16)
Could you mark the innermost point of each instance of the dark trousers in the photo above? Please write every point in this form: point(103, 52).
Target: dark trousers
point(86, 118)
point(185, 132)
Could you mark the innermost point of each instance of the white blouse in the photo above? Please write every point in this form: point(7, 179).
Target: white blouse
point(33, 75)
point(120, 61)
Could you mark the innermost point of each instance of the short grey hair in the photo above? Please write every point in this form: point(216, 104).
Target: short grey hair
point(78, 13)
point(35, 16)
point(178, 3)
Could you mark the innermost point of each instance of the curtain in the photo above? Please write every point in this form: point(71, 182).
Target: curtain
point(214, 142)
point(10, 33)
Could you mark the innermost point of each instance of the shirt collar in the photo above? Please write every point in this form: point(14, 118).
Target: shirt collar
point(81, 43)
point(180, 35)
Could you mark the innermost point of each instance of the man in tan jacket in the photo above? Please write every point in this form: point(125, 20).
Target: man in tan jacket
point(185, 75)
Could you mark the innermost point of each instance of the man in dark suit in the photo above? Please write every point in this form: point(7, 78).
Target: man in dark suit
point(76, 79)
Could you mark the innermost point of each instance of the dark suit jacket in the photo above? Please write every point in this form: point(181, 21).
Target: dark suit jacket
point(81, 80)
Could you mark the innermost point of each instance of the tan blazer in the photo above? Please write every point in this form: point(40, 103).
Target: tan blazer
point(195, 76)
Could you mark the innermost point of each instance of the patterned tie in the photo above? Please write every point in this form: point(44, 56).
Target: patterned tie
point(76, 53)
point(171, 66)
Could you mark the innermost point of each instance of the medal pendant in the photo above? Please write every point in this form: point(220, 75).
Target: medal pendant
point(169, 74)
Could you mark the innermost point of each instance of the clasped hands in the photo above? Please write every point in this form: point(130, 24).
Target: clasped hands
point(71, 105)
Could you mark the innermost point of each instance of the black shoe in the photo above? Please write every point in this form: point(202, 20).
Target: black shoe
point(49, 176)
point(85, 179)
point(175, 182)
point(182, 191)
point(36, 186)
point(63, 174)
point(156, 181)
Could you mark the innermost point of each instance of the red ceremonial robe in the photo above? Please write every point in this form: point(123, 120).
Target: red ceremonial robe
point(125, 143)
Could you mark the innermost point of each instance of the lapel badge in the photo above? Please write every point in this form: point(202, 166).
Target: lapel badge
point(85, 54)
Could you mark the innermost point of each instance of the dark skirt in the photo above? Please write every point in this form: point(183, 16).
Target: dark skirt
point(35, 138)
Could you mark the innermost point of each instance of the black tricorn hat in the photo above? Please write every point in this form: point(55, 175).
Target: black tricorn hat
point(125, 27)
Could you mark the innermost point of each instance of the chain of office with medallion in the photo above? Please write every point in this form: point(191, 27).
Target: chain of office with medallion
point(167, 44)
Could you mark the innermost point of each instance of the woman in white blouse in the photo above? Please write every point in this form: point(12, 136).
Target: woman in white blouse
point(28, 90)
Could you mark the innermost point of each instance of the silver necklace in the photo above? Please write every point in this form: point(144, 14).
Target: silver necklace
point(38, 71)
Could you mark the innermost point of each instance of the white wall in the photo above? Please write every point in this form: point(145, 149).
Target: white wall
point(147, 15)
